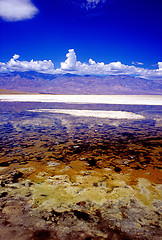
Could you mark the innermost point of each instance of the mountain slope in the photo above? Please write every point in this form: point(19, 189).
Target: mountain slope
point(74, 84)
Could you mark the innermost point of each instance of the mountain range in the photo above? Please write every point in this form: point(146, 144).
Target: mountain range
point(34, 82)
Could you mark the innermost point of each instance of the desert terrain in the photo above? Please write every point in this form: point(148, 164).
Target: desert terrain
point(67, 176)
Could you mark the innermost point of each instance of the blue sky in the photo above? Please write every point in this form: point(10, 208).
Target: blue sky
point(127, 32)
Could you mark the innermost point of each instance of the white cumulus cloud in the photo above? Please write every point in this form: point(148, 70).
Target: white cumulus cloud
point(160, 66)
point(15, 65)
point(17, 10)
point(71, 65)
point(16, 56)
point(91, 61)
point(70, 62)
point(100, 68)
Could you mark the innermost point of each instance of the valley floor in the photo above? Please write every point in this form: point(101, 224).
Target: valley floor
point(75, 177)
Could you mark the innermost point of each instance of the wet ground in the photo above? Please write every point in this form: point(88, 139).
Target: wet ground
point(67, 177)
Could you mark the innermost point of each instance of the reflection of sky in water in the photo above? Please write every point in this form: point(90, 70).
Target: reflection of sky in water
point(102, 99)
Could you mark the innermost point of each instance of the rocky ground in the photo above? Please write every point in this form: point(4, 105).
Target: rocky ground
point(66, 177)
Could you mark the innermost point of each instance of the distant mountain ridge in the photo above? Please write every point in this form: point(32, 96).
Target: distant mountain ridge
point(75, 84)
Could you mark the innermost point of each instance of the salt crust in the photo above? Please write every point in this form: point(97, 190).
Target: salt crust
point(83, 99)
point(94, 113)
